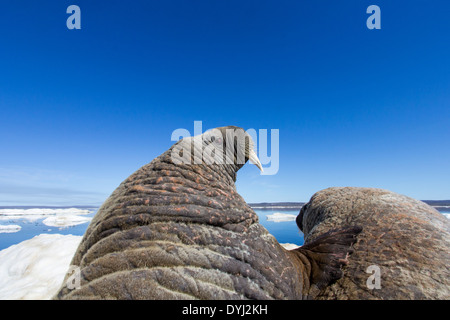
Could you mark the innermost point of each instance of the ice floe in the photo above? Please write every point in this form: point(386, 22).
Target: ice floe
point(279, 217)
point(65, 220)
point(10, 228)
point(35, 268)
point(289, 246)
point(54, 217)
point(38, 213)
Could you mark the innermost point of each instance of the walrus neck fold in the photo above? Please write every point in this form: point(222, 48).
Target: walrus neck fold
point(324, 257)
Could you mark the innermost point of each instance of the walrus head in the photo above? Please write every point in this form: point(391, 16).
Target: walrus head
point(228, 147)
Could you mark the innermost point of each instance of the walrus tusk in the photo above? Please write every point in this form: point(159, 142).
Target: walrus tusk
point(254, 159)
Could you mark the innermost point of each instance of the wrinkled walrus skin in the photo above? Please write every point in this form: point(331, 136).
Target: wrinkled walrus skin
point(181, 231)
point(405, 239)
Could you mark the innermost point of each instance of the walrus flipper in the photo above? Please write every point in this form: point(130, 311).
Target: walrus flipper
point(326, 255)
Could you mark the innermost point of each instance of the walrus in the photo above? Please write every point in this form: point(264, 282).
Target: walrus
point(402, 253)
point(178, 229)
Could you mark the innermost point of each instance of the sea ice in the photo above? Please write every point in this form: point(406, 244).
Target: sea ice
point(39, 213)
point(35, 268)
point(289, 246)
point(279, 217)
point(10, 228)
point(65, 220)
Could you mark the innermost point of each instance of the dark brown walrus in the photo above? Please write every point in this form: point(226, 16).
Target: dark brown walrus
point(402, 253)
point(177, 229)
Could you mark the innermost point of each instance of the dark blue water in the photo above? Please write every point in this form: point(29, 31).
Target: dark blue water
point(285, 231)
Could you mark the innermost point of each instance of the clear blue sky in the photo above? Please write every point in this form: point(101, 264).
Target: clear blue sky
point(80, 110)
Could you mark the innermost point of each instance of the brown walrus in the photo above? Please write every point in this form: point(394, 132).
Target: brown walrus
point(177, 229)
point(403, 251)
